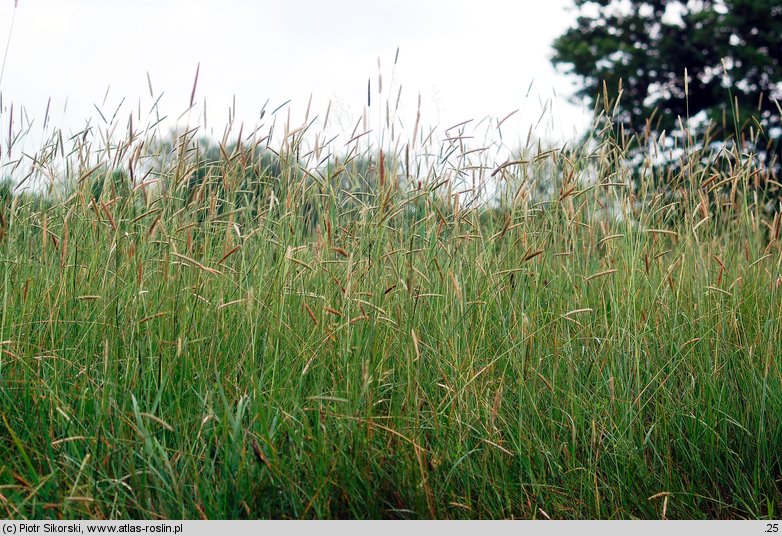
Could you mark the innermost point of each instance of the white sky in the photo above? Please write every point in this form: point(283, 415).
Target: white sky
point(468, 59)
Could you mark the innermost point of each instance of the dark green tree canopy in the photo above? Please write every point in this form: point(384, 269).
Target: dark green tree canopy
point(731, 49)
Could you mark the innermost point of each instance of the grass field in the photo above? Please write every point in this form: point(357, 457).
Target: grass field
point(225, 341)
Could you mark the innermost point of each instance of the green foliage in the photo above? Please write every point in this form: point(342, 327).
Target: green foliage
point(116, 183)
point(6, 190)
point(9, 192)
point(730, 49)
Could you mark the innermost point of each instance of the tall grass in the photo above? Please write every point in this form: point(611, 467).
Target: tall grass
point(389, 340)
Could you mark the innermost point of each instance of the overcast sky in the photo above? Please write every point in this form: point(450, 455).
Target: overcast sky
point(468, 59)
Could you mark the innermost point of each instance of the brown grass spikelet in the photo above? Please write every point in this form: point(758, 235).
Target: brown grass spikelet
point(416, 346)
point(525, 325)
point(704, 206)
point(310, 313)
point(456, 287)
point(382, 170)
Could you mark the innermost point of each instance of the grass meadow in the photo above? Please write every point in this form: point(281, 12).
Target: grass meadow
point(398, 330)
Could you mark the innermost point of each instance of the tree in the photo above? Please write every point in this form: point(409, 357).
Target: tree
point(730, 49)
